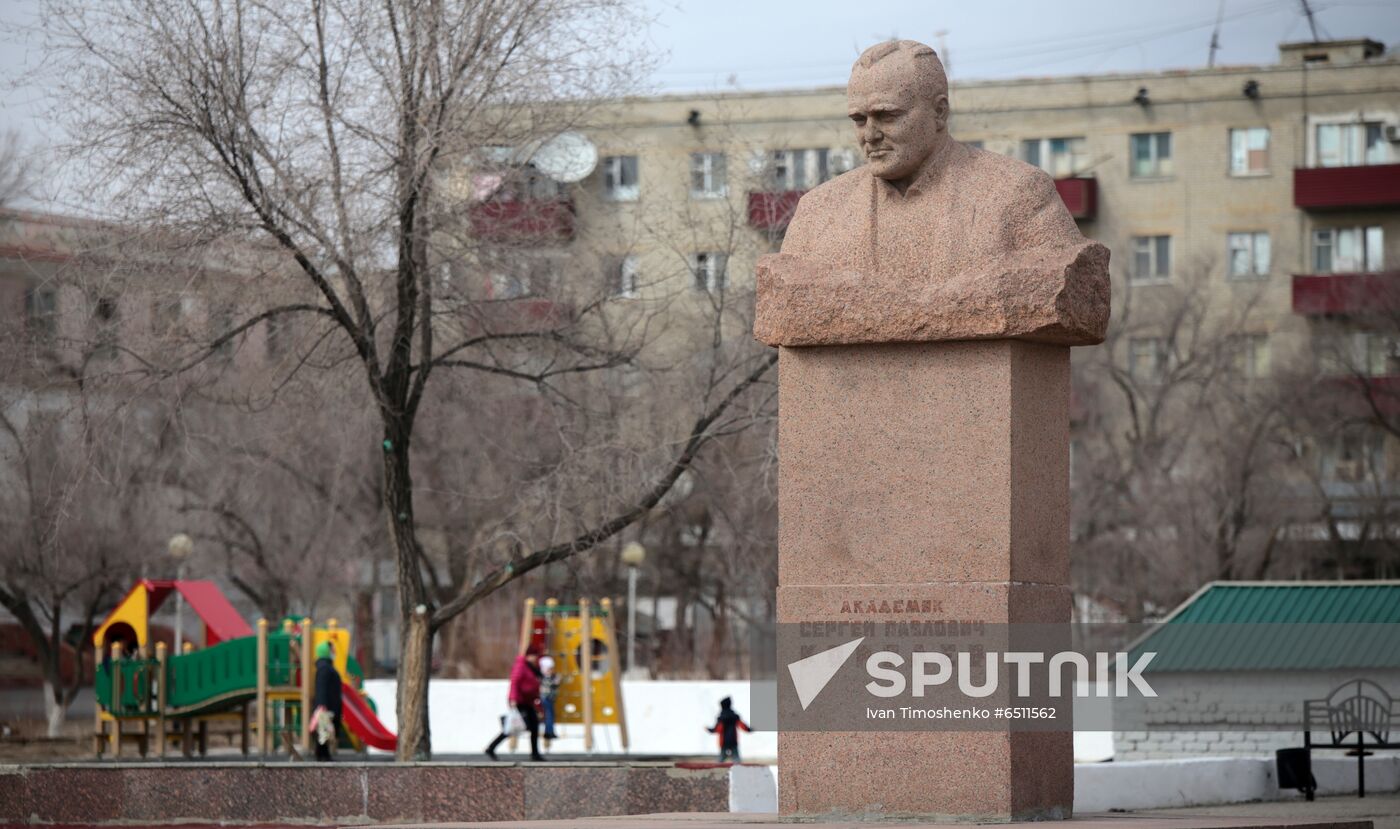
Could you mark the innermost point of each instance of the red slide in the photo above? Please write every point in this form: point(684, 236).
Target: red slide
point(358, 717)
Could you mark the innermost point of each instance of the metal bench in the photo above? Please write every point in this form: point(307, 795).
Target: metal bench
point(1358, 715)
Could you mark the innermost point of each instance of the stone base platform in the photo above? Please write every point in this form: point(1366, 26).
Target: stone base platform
point(350, 793)
point(752, 821)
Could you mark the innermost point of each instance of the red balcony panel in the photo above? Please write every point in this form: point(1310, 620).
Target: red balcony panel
point(1355, 395)
point(1336, 188)
point(773, 211)
point(1080, 195)
point(530, 220)
point(520, 316)
point(1346, 293)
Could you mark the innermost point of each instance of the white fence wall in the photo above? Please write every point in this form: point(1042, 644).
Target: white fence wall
point(663, 717)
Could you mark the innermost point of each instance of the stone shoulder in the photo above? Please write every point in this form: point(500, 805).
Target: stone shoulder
point(837, 189)
point(1008, 175)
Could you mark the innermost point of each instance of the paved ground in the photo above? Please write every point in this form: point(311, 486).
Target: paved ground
point(1382, 809)
point(1336, 812)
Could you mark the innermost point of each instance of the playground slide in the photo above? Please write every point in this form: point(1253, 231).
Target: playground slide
point(357, 716)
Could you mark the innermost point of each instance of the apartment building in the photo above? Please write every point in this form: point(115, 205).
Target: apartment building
point(1281, 182)
point(1270, 193)
point(83, 299)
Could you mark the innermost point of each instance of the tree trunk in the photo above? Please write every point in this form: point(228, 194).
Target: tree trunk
point(55, 712)
point(365, 631)
point(415, 634)
point(415, 664)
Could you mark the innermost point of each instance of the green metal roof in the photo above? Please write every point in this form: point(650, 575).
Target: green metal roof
point(1280, 626)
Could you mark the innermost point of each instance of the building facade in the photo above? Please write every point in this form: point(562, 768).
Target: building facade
point(1277, 182)
point(1263, 198)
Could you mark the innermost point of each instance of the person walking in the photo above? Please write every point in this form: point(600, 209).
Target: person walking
point(326, 702)
point(524, 697)
point(727, 726)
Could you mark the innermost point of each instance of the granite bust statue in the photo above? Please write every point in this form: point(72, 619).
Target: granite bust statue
point(930, 239)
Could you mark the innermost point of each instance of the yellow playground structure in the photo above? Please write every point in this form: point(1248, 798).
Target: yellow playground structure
point(143, 698)
point(586, 697)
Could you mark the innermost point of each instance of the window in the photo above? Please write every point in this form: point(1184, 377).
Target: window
point(534, 186)
point(1249, 151)
point(1351, 145)
point(220, 324)
point(1152, 258)
point(620, 181)
point(105, 323)
point(1060, 157)
point(278, 334)
point(510, 285)
point(707, 176)
point(1382, 354)
point(1361, 353)
point(41, 312)
point(1150, 154)
point(708, 268)
point(1147, 359)
point(1250, 355)
point(797, 169)
point(1248, 254)
point(169, 313)
point(1348, 250)
point(1353, 456)
point(621, 275)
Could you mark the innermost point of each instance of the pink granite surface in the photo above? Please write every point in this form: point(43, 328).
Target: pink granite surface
point(994, 603)
point(934, 775)
point(727, 821)
point(983, 775)
point(930, 240)
point(924, 303)
point(924, 462)
point(1057, 296)
point(349, 792)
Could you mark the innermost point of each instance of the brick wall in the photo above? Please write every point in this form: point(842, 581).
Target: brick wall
point(1271, 700)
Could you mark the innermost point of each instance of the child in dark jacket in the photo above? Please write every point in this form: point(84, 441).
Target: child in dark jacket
point(327, 697)
point(727, 726)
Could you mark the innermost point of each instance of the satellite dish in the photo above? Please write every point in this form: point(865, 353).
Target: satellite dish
point(567, 157)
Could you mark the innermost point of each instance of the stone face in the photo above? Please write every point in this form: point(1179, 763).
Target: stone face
point(976, 246)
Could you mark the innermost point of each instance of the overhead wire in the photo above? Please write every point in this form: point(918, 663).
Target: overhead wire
point(1039, 47)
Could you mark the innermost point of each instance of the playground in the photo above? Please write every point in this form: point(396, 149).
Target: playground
point(255, 682)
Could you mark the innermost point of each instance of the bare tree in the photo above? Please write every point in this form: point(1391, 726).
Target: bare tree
point(1179, 456)
point(331, 129)
point(1343, 411)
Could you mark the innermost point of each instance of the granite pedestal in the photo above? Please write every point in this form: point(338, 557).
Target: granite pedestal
point(932, 476)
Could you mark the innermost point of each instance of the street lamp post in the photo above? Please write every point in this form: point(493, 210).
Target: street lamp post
point(633, 554)
point(180, 547)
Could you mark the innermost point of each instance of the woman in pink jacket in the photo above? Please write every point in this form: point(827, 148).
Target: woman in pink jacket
point(524, 696)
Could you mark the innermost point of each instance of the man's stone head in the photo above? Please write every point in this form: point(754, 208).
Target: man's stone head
point(898, 99)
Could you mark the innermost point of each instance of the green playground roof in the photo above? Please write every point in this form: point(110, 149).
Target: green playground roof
point(1280, 626)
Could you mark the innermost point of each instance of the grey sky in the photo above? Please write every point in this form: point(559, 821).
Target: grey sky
point(765, 44)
